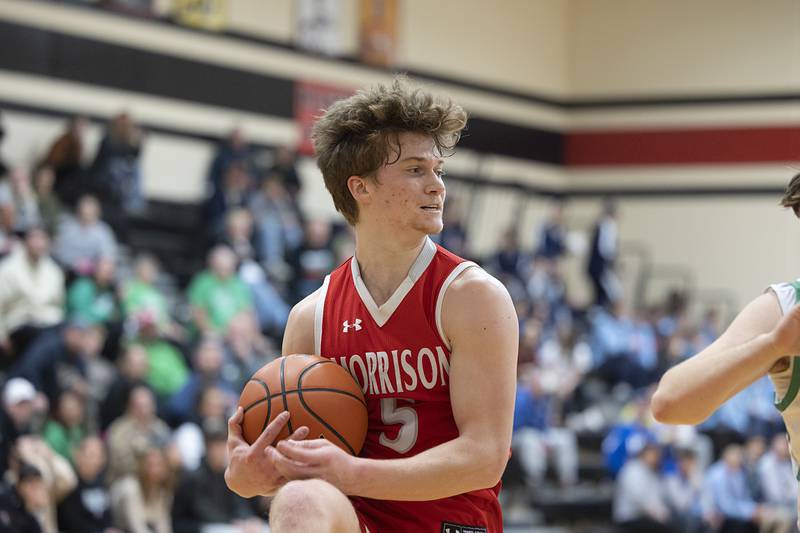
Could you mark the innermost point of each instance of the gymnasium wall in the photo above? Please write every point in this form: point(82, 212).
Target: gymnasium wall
point(643, 48)
point(453, 39)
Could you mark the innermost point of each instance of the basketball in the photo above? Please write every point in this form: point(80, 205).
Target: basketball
point(318, 394)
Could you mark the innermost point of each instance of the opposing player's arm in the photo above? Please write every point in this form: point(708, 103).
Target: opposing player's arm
point(251, 471)
point(691, 391)
point(480, 321)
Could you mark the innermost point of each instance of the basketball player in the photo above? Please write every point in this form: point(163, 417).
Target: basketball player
point(764, 338)
point(431, 338)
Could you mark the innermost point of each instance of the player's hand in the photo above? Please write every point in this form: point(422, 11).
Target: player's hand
point(317, 458)
point(250, 469)
point(786, 335)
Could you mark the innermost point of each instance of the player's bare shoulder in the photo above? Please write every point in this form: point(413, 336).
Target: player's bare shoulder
point(477, 303)
point(299, 334)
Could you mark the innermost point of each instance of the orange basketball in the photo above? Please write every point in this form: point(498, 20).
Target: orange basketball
point(318, 394)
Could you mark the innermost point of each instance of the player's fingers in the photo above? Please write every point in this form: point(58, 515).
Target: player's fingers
point(308, 444)
point(296, 452)
point(235, 428)
point(289, 468)
point(267, 436)
point(300, 433)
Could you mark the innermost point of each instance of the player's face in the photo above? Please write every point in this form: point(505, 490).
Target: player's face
point(409, 192)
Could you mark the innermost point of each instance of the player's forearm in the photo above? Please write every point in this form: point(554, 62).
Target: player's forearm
point(455, 467)
point(691, 391)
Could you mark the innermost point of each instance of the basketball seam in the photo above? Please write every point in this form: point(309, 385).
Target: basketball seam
point(269, 405)
point(311, 389)
point(283, 394)
point(311, 411)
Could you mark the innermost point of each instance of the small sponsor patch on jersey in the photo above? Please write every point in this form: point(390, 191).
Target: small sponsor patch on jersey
point(449, 527)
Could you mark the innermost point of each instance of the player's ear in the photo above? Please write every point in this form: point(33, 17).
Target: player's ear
point(359, 188)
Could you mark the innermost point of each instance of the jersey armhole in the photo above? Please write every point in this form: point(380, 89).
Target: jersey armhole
point(787, 294)
point(319, 313)
point(794, 386)
point(461, 267)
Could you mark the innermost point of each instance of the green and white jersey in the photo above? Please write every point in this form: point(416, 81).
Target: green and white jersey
point(787, 382)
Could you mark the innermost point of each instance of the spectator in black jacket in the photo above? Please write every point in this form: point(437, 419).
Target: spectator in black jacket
point(603, 256)
point(21, 503)
point(215, 504)
point(87, 509)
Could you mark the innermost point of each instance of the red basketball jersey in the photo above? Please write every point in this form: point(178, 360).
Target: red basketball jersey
point(400, 356)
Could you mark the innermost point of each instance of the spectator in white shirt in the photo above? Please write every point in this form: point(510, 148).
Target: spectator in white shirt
point(31, 293)
point(640, 499)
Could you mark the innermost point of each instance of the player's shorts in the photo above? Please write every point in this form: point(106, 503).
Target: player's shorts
point(363, 523)
point(481, 516)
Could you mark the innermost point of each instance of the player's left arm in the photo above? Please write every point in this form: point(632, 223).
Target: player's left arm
point(481, 323)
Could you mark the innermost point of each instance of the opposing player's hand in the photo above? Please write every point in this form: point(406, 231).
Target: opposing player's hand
point(251, 471)
point(316, 458)
point(786, 335)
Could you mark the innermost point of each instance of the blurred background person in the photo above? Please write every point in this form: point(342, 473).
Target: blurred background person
point(215, 505)
point(640, 499)
point(142, 499)
point(603, 256)
point(66, 158)
point(31, 295)
point(87, 509)
point(84, 239)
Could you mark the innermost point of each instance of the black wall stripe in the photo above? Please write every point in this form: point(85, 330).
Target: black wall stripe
point(48, 53)
point(494, 137)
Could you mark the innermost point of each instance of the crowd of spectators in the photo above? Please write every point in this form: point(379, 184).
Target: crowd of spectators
point(114, 403)
point(593, 370)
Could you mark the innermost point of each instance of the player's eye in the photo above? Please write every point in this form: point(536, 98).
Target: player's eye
point(441, 172)
point(414, 170)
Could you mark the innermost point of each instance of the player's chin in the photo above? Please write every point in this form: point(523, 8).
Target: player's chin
point(431, 227)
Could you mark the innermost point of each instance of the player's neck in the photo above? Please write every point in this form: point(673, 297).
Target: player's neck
point(384, 263)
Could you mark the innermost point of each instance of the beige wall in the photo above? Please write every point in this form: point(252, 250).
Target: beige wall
point(651, 47)
point(272, 19)
point(581, 48)
point(517, 44)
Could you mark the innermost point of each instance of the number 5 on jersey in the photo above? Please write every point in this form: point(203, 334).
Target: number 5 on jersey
point(409, 424)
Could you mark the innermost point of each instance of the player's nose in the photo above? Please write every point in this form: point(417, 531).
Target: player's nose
point(435, 184)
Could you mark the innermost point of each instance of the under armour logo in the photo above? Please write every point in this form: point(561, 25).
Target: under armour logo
point(346, 325)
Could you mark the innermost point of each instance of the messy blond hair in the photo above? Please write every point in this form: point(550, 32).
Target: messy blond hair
point(791, 197)
point(358, 135)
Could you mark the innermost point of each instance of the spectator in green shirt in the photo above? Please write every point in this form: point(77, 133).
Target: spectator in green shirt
point(140, 293)
point(94, 300)
point(65, 430)
point(167, 371)
point(217, 295)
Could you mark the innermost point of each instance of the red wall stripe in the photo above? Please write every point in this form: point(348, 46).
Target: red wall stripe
point(694, 146)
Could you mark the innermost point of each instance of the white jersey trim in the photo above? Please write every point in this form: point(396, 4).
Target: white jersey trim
point(461, 267)
point(787, 295)
point(319, 313)
point(382, 314)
